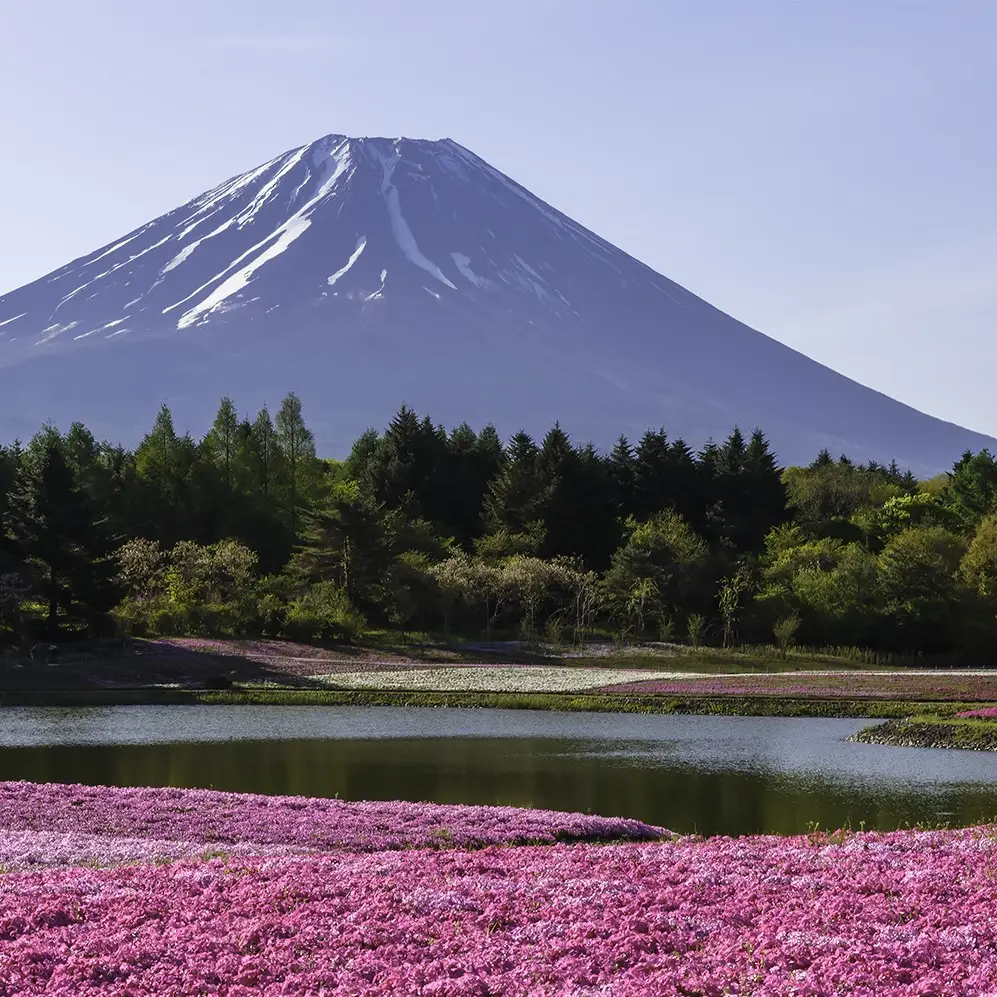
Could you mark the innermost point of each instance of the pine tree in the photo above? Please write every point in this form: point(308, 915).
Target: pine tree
point(263, 444)
point(9, 467)
point(514, 497)
point(297, 445)
point(470, 463)
point(763, 494)
point(222, 441)
point(710, 521)
point(688, 499)
point(347, 540)
point(64, 538)
point(620, 467)
point(652, 475)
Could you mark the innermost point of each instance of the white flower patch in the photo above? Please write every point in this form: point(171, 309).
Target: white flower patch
point(522, 678)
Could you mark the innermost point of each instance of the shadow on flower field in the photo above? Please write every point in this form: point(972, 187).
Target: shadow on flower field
point(218, 663)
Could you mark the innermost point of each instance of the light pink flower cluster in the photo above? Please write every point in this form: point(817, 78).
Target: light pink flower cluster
point(984, 713)
point(847, 685)
point(873, 914)
point(72, 820)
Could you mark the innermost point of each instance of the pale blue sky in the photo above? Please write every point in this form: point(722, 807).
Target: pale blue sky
point(824, 171)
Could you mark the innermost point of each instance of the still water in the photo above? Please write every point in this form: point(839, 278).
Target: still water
point(714, 775)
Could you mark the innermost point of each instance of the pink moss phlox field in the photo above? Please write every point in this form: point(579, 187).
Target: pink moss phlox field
point(865, 914)
point(289, 658)
point(884, 685)
point(200, 819)
point(24, 850)
point(984, 713)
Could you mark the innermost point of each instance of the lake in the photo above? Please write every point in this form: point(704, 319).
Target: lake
point(712, 775)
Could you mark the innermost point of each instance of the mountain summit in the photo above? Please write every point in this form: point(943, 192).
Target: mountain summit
point(366, 272)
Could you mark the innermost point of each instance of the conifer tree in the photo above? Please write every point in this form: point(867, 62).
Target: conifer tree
point(621, 470)
point(471, 461)
point(347, 540)
point(222, 441)
point(61, 535)
point(263, 443)
point(514, 497)
point(763, 494)
point(652, 475)
point(297, 445)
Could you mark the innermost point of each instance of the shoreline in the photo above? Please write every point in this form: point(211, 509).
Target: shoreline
point(662, 704)
point(915, 731)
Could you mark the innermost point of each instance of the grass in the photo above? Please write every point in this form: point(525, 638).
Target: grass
point(933, 730)
point(562, 702)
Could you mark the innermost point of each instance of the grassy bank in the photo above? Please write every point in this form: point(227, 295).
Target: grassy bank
point(933, 731)
point(576, 702)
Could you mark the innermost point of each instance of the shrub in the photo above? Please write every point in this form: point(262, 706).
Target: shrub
point(323, 612)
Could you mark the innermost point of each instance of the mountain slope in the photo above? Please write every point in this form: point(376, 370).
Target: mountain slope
point(366, 272)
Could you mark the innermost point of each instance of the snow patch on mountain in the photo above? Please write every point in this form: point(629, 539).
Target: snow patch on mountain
point(343, 270)
point(380, 291)
point(187, 251)
point(463, 264)
point(276, 243)
point(402, 232)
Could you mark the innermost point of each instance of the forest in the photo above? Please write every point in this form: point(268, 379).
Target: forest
point(455, 534)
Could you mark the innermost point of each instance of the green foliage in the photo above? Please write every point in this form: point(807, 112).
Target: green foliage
point(323, 612)
point(903, 512)
point(662, 564)
point(917, 577)
point(733, 590)
point(784, 630)
point(695, 626)
point(188, 589)
point(249, 532)
point(827, 492)
point(979, 564)
point(63, 542)
point(971, 493)
point(830, 585)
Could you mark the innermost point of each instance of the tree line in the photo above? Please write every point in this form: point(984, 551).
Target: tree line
point(248, 532)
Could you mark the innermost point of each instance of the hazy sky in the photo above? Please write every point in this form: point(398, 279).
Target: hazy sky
point(824, 171)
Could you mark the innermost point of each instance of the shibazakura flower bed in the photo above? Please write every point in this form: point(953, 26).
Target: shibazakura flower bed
point(866, 914)
point(904, 685)
point(54, 824)
point(984, 713)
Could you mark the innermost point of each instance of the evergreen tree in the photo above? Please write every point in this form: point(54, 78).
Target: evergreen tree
point(711, 517)
point(652, 475)
point(408, 471)
point(297, 446)
point(514, 499)
point(686, 488)
point(472, 461)
point(264, 453)
point(763, 493)
point(61, 535)
point(222, 442)
point(972, 489)
point(348, 541)
point(621, 468)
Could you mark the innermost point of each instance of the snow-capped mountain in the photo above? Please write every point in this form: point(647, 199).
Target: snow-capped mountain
point(363, 273)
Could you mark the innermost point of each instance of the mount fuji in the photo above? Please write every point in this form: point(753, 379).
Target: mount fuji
point(362, 273)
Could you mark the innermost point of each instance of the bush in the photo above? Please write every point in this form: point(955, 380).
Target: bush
point(323, 612)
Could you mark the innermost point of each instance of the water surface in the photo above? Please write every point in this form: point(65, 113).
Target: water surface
point(730, 775)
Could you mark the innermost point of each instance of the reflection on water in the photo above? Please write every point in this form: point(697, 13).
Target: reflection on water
point(730, 775)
